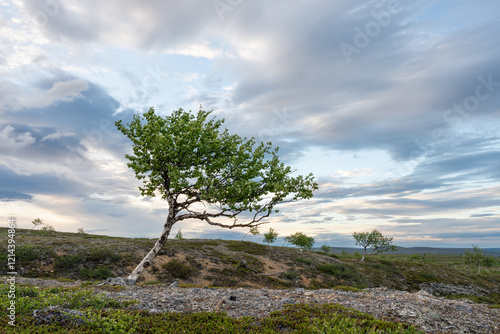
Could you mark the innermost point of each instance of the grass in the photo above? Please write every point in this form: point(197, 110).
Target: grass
point(104, 315)
point(229, 263)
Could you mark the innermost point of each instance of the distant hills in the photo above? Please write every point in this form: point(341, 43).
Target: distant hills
point(420, 250)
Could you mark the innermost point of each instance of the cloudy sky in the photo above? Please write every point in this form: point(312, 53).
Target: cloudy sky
point(394, 106)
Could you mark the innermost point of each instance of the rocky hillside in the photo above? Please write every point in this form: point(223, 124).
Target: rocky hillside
point(225, 263)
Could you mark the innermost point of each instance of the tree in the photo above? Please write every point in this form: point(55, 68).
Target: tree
point(205, 173)
point(327, 249)
point(477, 258)
point(270, 237)
point(36, 222)
point(179, 235)
point(301, 240)
point(374, 240)
point(253, 231)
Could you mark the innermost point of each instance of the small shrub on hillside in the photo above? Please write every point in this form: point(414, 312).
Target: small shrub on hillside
point(346, 288)
point(304, 260)
point(340, 270)
point(179, 269)
point(290, 275)
point(96, 274)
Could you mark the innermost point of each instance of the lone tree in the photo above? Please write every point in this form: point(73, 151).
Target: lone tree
point(253, 231)
point(301, 240)
point(270, 237)
point(36, 222)
point(374, 240)
point(206, 173)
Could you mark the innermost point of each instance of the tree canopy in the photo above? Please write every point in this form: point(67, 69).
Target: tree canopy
point(374, 240)
point(300, 240)
point(206, 173)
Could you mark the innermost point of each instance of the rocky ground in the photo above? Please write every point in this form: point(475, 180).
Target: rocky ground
point(429, 313)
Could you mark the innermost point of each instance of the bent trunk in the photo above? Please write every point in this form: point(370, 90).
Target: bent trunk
point(147, 261)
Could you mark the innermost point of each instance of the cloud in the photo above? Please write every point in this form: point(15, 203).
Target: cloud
point(11, 141)
point(16, 97)
point(7, 195)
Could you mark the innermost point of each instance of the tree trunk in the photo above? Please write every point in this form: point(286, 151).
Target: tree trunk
point(147, 261)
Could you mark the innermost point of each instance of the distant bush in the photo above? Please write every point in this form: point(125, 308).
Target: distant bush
point(340, 270)
point(304, 260)
point(179, 269)
point(290, 275)
point(98, 273)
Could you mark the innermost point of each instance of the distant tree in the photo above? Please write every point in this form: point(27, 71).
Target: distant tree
point(270, 237)
point(36, 222)
point(327, 249)
point(179, 235)
point(81, 231)
point(489, 261)
point(207, 174)
point(477, 258)
point(300, 240)
point(253, 231)
point(374, 240)
point(48, 228)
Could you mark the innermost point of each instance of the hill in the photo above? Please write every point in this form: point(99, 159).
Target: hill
point(228, 263)
point(419, 250)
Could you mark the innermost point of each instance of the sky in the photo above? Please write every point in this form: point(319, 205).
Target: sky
point(394, 106)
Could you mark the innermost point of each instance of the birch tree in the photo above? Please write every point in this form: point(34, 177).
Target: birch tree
point(206, 173)
point(374, 240)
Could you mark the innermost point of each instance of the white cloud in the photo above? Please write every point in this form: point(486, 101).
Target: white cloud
point(16, 97)
point(14, 141)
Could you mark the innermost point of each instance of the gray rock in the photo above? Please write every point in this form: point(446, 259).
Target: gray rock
point(59, 315)
point(117, 281)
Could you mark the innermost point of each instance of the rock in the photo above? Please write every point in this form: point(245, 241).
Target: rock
point(117, 281)
point(174, 285)
point(58, 315)
point(442, 289)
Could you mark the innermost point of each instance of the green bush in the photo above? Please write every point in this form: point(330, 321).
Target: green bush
point(179, 269)
point(340, 270)
point(96, 274)
point(290, 275)
point(304, 260)
point(69, 261)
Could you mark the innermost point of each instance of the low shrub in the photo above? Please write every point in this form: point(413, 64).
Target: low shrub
point(340, 270)
point(179, 269)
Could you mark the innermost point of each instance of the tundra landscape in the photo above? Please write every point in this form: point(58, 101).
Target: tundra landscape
point(406, 293)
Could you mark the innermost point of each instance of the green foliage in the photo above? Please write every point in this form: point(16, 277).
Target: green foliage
point(290, 275)
point(253, 231)
point(73, 263)
point(339, 270)
point(26, 254)
point(270, 237)
point(374, 240)
point(179, 269)
point(108, 316)
point(36, 222)
point(96, 274)
point(179, 235)
point(478, 259)
point(48, 228)
point(327, 249)
point(246, 247)
point(304, 260)
point(189, 154)
point(346, 288)
point(301, 240)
